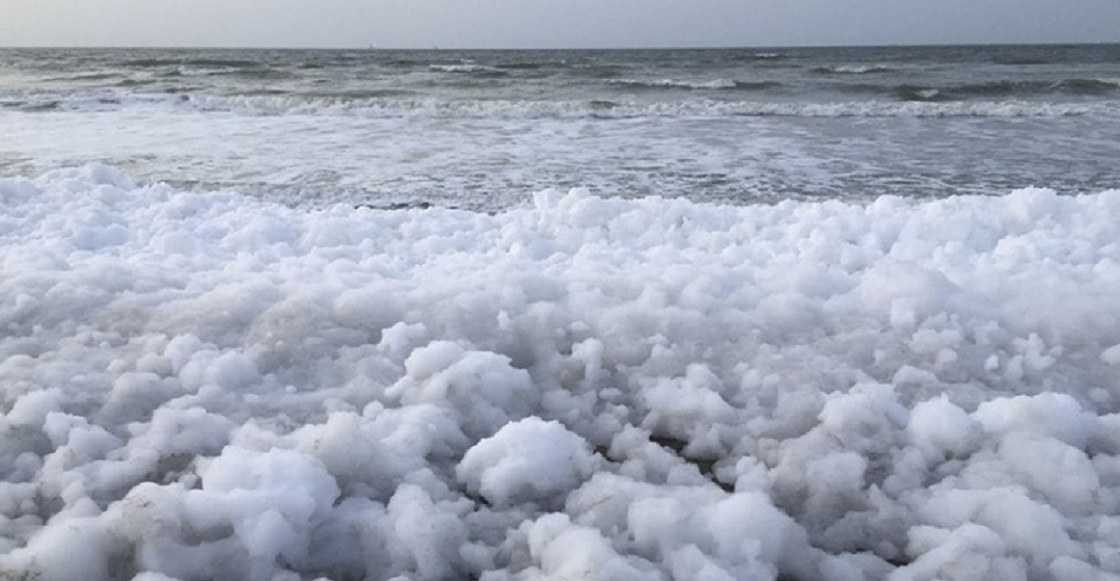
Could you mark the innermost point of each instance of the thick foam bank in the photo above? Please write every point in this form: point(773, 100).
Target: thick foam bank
point(208, 386)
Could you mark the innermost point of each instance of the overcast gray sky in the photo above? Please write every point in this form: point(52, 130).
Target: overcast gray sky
point(551, 23)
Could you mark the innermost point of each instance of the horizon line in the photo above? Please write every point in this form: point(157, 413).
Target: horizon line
point(372, 47)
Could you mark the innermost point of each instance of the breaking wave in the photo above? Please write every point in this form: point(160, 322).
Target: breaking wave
point(467, 68)
point(190, 62)
point(910, 102)
point(852, 69)
point(1027, 89)
point(712, 85)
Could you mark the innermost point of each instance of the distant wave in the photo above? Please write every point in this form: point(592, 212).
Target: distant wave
point(1091, 86)
point(521, 66)
point(998, 89)
point(1020, 61)
point(223, 63)
point(915, 93)
point(30, 106)
point(852, 69)
point(127, 83)
point(530, 65)
point(717, 84)
point(596, 71)
point(150, 63)
point(1022, 90)
point(402, 63)
point(928, 107)
point(1002, 88)
point(260, 73)
point(205, 67)
point(84, 77)
point(195, 71)
point(674, 84)
point(359, 95)
point(467, 68)
point(1073, 86)
point(602, 105)
point(193, 62)
point(94, 101)
point(759, 56)
point(756, 85)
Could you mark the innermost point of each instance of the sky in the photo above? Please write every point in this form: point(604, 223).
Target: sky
point(552, 23)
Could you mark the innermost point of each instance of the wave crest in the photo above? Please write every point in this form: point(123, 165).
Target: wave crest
point(712, 85)
point(852, 69)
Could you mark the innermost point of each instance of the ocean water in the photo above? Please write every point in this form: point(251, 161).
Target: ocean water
point(484, 130)
point(804, 314)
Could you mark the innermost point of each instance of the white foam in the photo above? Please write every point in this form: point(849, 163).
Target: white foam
point(394, 107)
point(205, 385)
point(573, 109)
point(464, 68)
point(857, 69)
point(677, 84)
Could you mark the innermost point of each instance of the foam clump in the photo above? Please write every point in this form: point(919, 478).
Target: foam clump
point(528, 460)
point(207, 386)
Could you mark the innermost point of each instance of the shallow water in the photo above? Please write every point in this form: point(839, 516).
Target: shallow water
point(485, 129)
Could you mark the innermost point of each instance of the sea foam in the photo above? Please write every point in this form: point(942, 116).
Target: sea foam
point(204, 385)
point(387, 104)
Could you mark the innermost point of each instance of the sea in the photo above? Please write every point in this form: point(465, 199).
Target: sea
point(653, 315)
point(483, 130)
